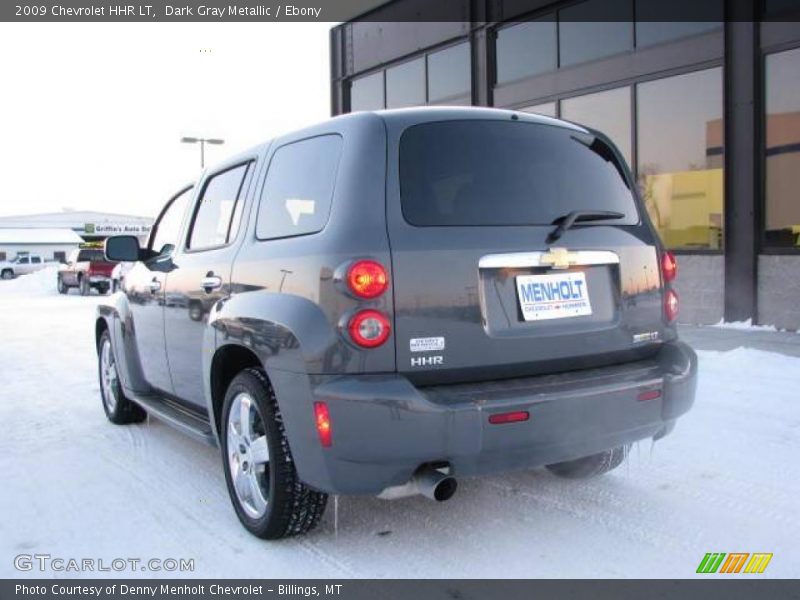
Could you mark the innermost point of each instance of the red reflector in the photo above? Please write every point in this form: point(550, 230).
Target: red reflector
point(669, 266)
point(367, 279)
point(369, 328)
point(323, 420)
point(671, 304)
point(509, 417)
point(648, 395)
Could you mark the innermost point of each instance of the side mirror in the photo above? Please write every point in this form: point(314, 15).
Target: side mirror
point(122, 248)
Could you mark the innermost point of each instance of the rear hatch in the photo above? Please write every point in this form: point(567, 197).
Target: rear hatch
point(480, 290)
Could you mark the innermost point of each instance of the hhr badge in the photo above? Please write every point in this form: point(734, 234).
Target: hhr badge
point(427, 361)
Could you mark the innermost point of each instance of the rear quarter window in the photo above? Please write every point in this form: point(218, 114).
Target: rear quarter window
point(494, 173)
point(297, 194)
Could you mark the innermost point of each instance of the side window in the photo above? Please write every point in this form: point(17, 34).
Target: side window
point(165, 233)
point(36, 260)
point(24, 260)
point(297, 194)
point(217, 209)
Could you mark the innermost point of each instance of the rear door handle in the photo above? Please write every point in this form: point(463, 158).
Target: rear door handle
point(154, 285)
point(211, 282)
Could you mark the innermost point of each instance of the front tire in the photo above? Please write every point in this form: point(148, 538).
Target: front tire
point(269, 498)
point(119, 409)
point(590, 466)
point(7, 274)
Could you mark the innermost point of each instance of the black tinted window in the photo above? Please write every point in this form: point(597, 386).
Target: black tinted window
point(506, 173)
point(214, 215)
point(297, 193)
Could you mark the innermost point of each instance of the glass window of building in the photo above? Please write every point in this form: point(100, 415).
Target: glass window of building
point(526, 49)
point(649, 33)
point(608, 112)
point(583, 35)
point(655, 24)
point(405, 84)
point(548, 109)
point(449, 73)
point(782, 218)
point(680, 157)
point(366, 93)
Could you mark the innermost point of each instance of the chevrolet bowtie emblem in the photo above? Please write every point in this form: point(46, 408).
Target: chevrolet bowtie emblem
point(558, 258)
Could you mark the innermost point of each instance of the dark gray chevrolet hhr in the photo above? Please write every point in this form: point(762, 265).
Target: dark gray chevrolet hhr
point(387, 301)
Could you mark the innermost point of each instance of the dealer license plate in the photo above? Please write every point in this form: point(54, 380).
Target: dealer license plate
point(553, 296)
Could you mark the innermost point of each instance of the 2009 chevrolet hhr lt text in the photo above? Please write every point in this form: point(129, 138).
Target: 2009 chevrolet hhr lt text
point(386, 301)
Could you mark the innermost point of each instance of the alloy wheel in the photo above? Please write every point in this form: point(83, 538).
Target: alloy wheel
point(108, 376)
point(248, 455)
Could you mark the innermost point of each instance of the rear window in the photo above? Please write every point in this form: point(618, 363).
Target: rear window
point(466, 173)
point(91, 256)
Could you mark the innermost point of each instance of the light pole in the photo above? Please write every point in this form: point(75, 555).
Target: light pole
point(202, 142)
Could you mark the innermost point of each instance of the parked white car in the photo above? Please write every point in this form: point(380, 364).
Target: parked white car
point(22, 264)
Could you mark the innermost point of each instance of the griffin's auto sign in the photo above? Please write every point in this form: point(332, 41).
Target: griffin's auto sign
point(116, 229)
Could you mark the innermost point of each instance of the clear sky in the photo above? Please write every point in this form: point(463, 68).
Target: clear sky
point(91, 114)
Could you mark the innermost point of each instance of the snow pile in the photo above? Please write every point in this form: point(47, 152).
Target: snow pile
point(38, 283)
point(745, 326)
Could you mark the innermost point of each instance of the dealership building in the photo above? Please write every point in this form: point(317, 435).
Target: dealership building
point(707, 114)
point(54, 235)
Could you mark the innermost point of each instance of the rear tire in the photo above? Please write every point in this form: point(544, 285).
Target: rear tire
point(83, 286)
point(119, 409)
point(62, 287)
point(102, 289)
point(590, 466)
point(269, 498)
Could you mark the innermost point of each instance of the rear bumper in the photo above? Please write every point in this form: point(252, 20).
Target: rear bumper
point(99, 279)
point(384, 428)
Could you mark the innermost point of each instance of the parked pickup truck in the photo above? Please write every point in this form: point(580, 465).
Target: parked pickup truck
point(22, 264)
point(387, 301)
point(86, 269)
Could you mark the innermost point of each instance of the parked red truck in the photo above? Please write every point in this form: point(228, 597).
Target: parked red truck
point(86, 268)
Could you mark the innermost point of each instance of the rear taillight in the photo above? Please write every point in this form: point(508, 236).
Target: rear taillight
point(367, 279)
point(670, 304)
point(323, 421)
point(369, 328)
point(669, 267)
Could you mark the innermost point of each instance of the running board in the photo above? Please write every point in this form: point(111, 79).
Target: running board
point(179, 417)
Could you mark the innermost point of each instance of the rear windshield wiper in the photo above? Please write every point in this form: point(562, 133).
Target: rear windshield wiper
point(565, 222)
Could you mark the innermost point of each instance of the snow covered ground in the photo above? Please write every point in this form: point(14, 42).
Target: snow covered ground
point(75, 486)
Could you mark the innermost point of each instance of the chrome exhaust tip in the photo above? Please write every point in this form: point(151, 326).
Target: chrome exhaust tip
point(428, 482)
